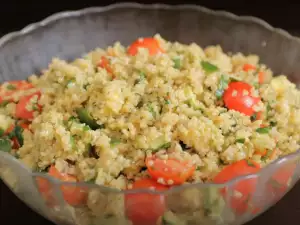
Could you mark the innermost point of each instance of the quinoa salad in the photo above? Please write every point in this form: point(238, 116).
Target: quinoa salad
point(154, 114)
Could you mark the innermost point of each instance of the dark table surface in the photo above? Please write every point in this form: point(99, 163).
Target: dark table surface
point(16, 14)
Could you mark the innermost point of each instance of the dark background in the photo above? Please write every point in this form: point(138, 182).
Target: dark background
point(14, 15)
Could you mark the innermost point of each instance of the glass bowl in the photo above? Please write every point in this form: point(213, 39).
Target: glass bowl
point(70, 34)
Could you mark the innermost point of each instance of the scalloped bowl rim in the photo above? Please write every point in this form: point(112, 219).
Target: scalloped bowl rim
point(77, 13)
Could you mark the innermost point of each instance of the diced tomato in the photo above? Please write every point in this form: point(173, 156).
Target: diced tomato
point(104, 63)
point(261, 77)
point(279, 183)
point(143, 208)
point(151, 44)
point(238, 97)
point(243, 190)
point(248, 67)
point(22, 111)
point(170, 171)
point(11, 87)
point(259, 116)
point(73, 195)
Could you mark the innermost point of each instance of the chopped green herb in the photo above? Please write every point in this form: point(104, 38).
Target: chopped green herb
point(166, 145)
point(35, 107)
point(151, 109)
point(273, 123)
point(256, 85)
point(18, 130)
point(177, 63)
point(249, 163)
point(72, 118)
point(141, 79)
point(11, 87)
point(1, 132)
point(263, 130)
point(86, 118)
point(114, 142)
point(68, 123)
point(167, 102)
point(86, 128)
point(5, 145)
point(240, 140)
point(4, 103)
point(163, 146)
point(208, 67)
point(142, 76)
point(198, 168)
point(222, 86)
point(253, 117)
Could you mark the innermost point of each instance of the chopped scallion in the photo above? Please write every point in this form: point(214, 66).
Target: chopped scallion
point(177, 63)
point(240, 140)
point(263, 130)
point(208, 67)
point(222, 86)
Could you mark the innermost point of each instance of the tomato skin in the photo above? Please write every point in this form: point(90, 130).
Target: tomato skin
point(19, 85)
point(235, 99)
point(150, 43)
point(279, 182)
point(21, 108)
point(245, 187)
point(172, 171)
point(72, 195)
point(145, 208)
point(104, 63)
